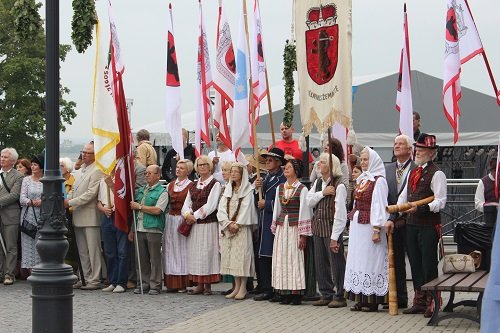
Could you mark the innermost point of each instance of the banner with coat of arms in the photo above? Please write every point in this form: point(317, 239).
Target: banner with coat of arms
point(323, 33)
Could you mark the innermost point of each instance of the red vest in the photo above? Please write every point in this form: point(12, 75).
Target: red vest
point(363, 203)
point(200, 197)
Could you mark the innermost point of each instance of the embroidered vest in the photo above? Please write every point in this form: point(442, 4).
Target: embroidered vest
point(200, 197)
point(324, 212)
point(363, 203)
point(177, 198)
point(292, 207)
point(489, 189)
point(422, 191)
point(152, 196)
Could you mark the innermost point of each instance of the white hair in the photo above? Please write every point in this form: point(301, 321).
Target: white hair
point(336, 170)
point(66, 161)
point(13, 153)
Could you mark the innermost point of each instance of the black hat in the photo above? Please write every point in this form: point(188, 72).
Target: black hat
point(426, 141)
point(276, 153)
point(39, 159)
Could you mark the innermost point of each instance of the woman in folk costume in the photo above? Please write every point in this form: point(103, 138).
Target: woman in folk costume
point(366, 280)
point(291, 226)
point(200, 210)
point(237, 216)
point(175, 267)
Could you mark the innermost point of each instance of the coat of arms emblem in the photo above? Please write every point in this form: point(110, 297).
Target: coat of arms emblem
point(322, 41)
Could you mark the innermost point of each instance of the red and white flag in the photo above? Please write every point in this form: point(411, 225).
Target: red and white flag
point(225, 70)
point(496, 168)
point(462, 44)
point(258, 65)
point(240, 129)
point(124, 171)
point(173, 121)
point(203, 90)
point(404, 103)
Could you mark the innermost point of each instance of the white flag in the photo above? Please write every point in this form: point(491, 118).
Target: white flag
point(203, 90)
point(225, 70)
point(240, 129)
point(173, 91)
point(104, 120)
point(462, 44)
point(258, 63)
point(404, 103)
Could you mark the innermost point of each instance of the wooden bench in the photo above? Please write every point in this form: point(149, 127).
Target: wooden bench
point(465, 282)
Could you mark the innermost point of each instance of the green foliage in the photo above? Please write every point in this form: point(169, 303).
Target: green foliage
point(82, 24)
point(26, 18)
point(290, 65)
point(22, 83)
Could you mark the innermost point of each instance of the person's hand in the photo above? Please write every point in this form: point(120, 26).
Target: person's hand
point(261, 204)
point(215, 160)
point(352, 158)
point(389, 226)
point(413, 208)
point(107, 211)
point(334, 246)
point(109, 181)
point(36, 202)
point(233, 228)
point(376, 237)
point(66, 203)
point(329, 190)
point(302, 242)
point(258, 182)
point(190, 219)
point(135, 205)
point(177, 157)
point(131, 236)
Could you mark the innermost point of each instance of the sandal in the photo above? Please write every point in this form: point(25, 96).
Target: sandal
point(207, 292)
point(357, 307)
point(370, 308)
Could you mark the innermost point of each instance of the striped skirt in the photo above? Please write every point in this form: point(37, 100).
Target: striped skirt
point(203, 253)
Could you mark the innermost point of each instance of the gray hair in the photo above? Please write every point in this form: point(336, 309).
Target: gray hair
point(13, 153)
point(335, 167)
point(66, 161)
point(409, 141)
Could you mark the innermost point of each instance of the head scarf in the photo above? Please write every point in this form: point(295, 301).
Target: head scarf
point(375, 167)
point(245, 186)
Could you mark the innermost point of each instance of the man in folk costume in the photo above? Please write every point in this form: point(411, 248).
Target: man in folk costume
point(275, 158)
point(328, 198)
point(423, 223)
point(397, 174)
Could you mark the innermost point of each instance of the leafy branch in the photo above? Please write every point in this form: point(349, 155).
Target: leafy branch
point(82, 24)
point(290, 65)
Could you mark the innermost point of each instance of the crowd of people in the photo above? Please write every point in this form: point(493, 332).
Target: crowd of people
point(245, 220)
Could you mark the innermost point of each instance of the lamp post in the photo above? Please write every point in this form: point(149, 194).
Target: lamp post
point(52, 280)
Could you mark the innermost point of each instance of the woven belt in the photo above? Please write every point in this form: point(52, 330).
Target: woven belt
point(291, 224)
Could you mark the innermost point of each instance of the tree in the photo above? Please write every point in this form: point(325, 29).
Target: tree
point(22, 78)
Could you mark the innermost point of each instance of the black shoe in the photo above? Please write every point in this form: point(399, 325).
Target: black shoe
point(285, 300)
point(275, 299)
point(415, 309)
point(227, 292)
point(255, 291)
point(296, 299)
point(263, 297)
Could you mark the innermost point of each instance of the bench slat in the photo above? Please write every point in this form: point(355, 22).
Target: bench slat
point(481, 284)
point(431, 285)
point(467, 283)
point(450, 283)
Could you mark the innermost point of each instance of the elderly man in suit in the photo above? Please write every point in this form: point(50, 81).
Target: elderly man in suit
point(10, 188)
point(83, 200)
point(397, 177)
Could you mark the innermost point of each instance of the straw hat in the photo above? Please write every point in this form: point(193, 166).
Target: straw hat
point(262, 161)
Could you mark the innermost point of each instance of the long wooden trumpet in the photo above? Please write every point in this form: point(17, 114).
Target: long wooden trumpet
point(393, 293)
point(406, 206)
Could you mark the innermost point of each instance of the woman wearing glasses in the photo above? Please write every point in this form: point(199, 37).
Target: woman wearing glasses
point(200, 210)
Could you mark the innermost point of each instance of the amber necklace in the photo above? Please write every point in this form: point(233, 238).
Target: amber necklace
point(360, 188)
point(284, 199)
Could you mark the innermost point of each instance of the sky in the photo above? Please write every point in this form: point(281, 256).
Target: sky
point(376, 47)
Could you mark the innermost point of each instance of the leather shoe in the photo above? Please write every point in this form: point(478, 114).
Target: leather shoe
point(428, 312)
point(322, 302)
point(90, 287)
point(7, 281)
point(263, 297)
point(415, 309)
point(275, 299)
point(77, 285)
point(337, 303)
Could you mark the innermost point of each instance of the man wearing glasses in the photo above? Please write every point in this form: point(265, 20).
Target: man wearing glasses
point(83, 199)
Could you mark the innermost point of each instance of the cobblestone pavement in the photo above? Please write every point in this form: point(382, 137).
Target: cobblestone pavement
point(95, 311)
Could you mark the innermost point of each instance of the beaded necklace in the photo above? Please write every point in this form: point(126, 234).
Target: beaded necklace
point(284, 199)
point(360, 188)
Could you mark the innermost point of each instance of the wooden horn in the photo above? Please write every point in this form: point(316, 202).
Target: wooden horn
point(393, 297)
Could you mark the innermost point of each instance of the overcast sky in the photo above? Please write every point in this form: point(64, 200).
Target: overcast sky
point(377, 41)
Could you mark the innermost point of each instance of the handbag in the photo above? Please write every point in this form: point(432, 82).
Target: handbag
point(458, 263)
point(28, 228)
point(184, 228)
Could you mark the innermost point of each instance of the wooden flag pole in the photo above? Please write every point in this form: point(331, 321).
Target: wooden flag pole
point(252, 104)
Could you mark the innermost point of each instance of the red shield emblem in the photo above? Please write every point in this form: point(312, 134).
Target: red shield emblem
point(322, 53)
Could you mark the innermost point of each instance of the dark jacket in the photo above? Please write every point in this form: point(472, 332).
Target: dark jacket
point(170, 162)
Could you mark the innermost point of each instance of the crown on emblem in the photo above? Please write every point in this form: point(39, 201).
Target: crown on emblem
point(324, 16)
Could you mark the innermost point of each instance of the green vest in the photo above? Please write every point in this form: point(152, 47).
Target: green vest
point(152, 196)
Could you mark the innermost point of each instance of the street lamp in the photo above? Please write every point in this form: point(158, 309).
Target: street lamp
point(52, 280)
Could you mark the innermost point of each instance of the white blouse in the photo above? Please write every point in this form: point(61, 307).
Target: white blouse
point(209, 207)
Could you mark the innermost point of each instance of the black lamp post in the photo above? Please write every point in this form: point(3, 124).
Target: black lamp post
point(52, 280)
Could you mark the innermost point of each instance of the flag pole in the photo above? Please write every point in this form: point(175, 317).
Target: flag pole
point(252, 102)
point(214, 140)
